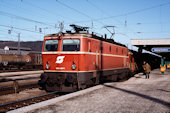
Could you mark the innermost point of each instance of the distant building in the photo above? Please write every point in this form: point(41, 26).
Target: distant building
point(14, 50)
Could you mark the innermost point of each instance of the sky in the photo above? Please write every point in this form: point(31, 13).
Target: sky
point(132, 19)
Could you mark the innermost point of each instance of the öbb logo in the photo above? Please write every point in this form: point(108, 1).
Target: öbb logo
point(60, 59)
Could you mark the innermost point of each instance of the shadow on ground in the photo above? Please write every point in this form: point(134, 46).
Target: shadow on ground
point(159, 101)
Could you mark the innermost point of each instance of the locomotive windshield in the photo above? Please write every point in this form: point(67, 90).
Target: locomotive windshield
point(71, 45)
point(51, 45)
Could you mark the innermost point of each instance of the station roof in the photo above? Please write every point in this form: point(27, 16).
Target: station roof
point(158, 46)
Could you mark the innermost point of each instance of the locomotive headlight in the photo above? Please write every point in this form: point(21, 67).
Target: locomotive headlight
point(47, 66)
point(73, 67)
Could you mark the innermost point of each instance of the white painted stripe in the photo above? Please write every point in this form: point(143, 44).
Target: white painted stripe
point(86, 71)
point(115, 55)
point(90, 53)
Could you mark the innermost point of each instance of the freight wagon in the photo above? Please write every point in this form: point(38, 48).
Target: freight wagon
point(33, 60)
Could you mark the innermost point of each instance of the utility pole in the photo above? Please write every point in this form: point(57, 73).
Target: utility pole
point(61, 26)
point(19, 52)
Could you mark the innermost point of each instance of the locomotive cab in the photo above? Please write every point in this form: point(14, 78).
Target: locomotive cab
point(63, 62)
point(61, 54)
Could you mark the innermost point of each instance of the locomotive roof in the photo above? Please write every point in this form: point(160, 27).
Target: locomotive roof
point(86, 35)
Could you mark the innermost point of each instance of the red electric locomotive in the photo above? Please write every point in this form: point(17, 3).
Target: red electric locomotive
point(74, 61)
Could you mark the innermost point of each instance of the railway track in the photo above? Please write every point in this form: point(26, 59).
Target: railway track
point(27, 101)
point(18, 81)
point(11, 90)
point(16, 84)
point(18, 70)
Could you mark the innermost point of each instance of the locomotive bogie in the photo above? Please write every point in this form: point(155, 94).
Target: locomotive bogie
point(67, 81)
point(114, 75)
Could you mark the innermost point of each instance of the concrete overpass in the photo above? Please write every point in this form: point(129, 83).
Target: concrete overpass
point(158, 46)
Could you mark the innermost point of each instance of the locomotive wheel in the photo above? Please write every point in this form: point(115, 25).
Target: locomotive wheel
point(81, 86)
point(53, 87)
point(50, 85)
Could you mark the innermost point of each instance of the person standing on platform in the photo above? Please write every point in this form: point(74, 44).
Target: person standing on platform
point(147, 69)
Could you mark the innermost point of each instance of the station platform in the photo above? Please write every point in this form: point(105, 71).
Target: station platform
point(132, 96)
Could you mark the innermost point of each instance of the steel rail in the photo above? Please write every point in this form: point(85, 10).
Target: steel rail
point(8, 103)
